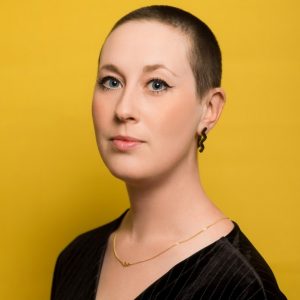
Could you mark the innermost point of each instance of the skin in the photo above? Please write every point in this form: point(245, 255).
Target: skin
point(167, 200)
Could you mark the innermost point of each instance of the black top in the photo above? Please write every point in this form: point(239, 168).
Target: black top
point(230, 268)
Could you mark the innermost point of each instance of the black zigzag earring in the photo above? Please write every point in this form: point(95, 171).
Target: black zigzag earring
point(201, 138)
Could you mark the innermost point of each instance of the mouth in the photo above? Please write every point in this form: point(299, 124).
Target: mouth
point(125, 143)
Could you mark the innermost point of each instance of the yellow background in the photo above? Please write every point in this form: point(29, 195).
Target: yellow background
point(53, 184)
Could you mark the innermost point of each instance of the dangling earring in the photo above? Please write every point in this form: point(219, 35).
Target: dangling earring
point(201, 138)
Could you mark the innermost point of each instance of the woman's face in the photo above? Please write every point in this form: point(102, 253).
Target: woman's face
point(145, 90)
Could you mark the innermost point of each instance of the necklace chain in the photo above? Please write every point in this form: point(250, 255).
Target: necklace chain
point(125, 263)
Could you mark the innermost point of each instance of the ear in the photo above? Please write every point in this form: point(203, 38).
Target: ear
point(212, 106)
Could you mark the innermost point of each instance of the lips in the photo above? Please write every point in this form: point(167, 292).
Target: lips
point(124, 143)
point(126, 138)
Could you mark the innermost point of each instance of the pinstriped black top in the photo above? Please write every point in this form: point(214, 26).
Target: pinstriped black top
point(230, 268)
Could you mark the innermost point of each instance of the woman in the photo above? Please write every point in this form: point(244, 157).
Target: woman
point(157, 95)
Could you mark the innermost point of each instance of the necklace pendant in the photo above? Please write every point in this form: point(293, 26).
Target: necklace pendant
point(125, 264)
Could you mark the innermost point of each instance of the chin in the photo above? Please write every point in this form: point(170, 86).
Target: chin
point(129, 177)
point(125, 168)
point(134, 173)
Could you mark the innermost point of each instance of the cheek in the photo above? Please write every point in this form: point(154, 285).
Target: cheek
point(175, 127)
point(101, 119)
point(100, 114)
point(102, 124)
point(180, 119)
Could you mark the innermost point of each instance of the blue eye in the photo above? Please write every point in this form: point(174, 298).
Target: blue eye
point(109, 83)
point(157, 85)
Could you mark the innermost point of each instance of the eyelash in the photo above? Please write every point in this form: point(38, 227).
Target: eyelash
point(161, 82)
point(101, 82)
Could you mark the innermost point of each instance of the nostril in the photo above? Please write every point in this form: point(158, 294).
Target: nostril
point(124, 118)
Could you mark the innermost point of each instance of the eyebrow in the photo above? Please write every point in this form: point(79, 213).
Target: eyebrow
point(151, 68)
point(111, 67)
point(146, 69)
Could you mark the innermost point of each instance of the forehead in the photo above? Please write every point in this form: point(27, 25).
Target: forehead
point(139, 43)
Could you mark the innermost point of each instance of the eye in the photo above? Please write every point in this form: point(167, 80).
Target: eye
point(109, 83)
point(158, 85)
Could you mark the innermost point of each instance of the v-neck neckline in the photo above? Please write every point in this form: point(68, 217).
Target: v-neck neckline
point(117, 223)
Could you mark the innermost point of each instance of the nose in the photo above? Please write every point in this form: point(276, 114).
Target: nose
point(126, 109)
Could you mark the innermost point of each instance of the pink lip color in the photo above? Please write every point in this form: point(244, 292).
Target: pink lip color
point(125, 143)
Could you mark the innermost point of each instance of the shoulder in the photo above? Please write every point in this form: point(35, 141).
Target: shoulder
point(249, 273)
point(88, 241)
point(81, 258)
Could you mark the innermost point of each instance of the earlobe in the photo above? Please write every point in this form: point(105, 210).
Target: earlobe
point(213, 104)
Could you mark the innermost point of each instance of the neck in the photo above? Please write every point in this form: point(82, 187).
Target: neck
point(174, 206)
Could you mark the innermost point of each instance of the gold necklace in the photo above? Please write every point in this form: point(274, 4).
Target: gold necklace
point(125, 263)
